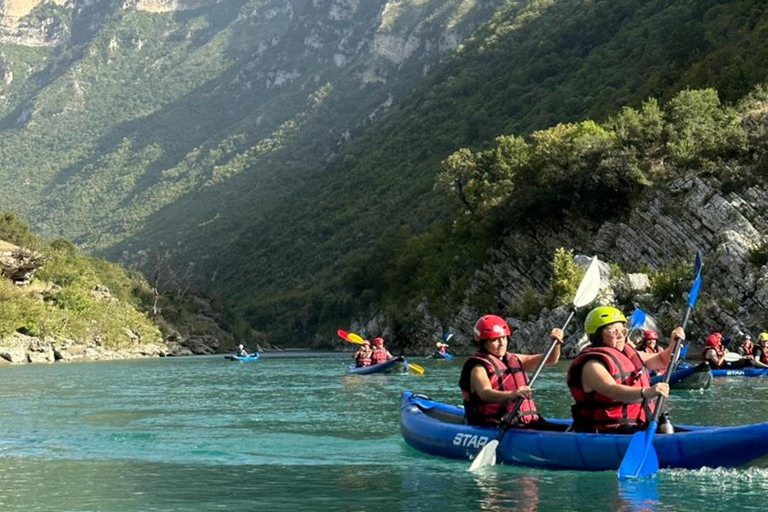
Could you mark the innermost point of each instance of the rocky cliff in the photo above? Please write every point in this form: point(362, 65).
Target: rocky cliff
point(719, 209)
point(35, 22)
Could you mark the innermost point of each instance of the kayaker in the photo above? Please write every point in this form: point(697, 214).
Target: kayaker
point(649, 344)
point(714, 351)
point(442, 347)
point(761, 350)
point(241, 352)
point(747, 348)
point(609, 379)
point(380, 353)
point(363, 355)
point(493, 379)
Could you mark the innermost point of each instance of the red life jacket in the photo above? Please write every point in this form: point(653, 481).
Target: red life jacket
point(506, 374)
point(363, 359)
point(379, 355)
point(719, 350)
point(747, 351)
point(764, 356)
point(596, 412)
point(655, 350)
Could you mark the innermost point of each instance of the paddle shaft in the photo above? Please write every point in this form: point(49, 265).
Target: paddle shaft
point(671, 363)
point(540, 366)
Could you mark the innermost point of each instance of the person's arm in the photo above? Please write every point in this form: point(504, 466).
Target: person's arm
point(711, 355)
point(660, 361)
point(595, 377)
point(532, 361)
point(478, 380)
point(758, 357)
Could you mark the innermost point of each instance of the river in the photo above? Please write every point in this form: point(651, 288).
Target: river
point(294, 432)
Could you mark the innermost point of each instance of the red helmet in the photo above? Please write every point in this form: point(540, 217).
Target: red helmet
point(491, 326)
point(378, 341)
point(714, 339)
point(650, 334)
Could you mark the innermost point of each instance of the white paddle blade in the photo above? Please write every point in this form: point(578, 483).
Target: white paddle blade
point(486, 457)
point(732, 357)
point(590, 285)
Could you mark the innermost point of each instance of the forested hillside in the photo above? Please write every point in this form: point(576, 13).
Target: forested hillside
point(285, 152)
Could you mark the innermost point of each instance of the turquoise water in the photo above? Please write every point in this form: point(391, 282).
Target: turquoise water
point(292, 431)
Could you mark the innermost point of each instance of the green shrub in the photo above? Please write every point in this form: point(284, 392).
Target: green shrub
point(566, 277)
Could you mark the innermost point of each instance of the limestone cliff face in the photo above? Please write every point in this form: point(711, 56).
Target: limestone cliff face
point(29, 23)
point(690, 212)
point(168, 5)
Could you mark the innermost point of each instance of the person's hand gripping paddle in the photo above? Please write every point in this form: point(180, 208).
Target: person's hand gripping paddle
point(586, 293)
point(641, 459)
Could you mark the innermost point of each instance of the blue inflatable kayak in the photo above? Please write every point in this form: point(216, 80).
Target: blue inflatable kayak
point(442, 355)
point(437, 429)
point(249, 358)
point(376, 368)
point(688, 376)
point(741, 372)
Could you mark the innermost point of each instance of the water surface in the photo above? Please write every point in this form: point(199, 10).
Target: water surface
point(293, 431)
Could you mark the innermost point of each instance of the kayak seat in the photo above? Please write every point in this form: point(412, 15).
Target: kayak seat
point(441, 415)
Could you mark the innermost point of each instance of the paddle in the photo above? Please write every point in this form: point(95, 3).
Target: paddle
point(586, 293)
point(732, 357)
point(414, 368)
point(343, 335)
point(641, 459)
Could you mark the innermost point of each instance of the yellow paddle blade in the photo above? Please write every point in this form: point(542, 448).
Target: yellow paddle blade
point(355, 338)
point(415, 368)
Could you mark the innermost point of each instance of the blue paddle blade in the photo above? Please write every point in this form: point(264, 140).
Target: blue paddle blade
point(683, 351)
point(637, 319)
point(641, 459)
point(697, 264)
point(694, 291)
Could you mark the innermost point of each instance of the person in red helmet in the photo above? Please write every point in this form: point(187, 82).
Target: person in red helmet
point(493, 379)
point(380, 353)
point(650, 344)
point(714, 351)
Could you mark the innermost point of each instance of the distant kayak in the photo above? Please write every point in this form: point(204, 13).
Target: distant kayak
point(688, 376)
point(438, 429)
point(741, 372)
point(247, 359)
point(442, 355)
point(376, 368)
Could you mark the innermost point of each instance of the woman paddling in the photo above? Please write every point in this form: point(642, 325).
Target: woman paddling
point(761, 350)
point(650, 342)
point(363, 355)
point(380, 353)
point(609, 379)
point(493, 380)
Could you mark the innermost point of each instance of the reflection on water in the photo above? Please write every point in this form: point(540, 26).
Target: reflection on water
point(639, 495)
point(499, 492)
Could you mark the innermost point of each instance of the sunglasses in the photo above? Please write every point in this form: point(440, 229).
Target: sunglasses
point(616, 332)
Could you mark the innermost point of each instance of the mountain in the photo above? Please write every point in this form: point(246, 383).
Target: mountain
point(285, 152)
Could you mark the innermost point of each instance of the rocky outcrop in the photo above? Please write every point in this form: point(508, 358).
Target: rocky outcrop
point(34, 22)
point(21, 348)
point(18, 264)
point(168, 5)
point(686, 214)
